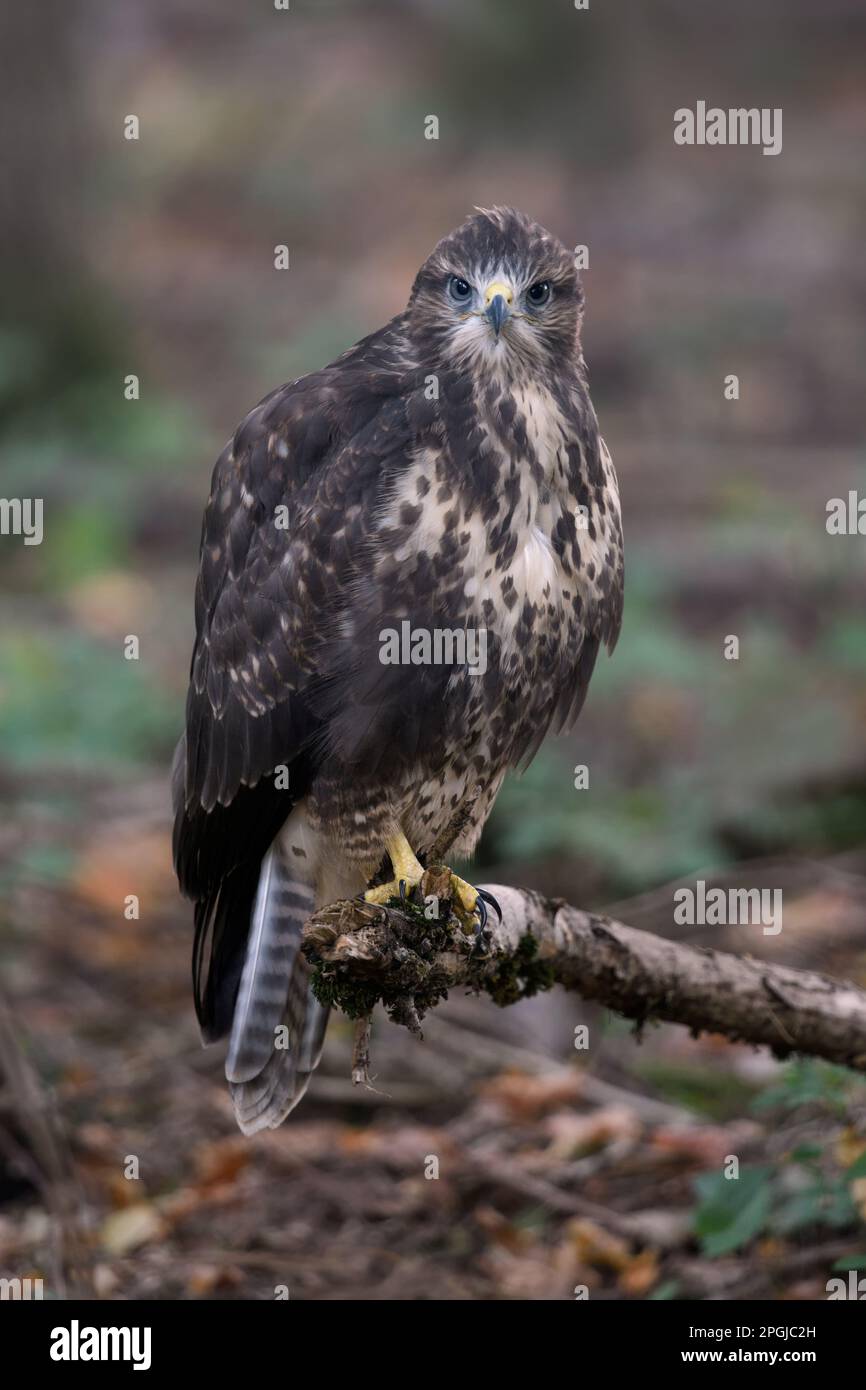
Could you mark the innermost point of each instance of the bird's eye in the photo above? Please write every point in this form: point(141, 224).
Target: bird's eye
point(460, 289)
point(539, 293)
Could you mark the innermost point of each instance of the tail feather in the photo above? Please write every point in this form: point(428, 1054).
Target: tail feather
point(266, 1101)
point(268, 1070)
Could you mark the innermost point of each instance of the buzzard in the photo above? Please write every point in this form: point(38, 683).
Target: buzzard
point(444, 475)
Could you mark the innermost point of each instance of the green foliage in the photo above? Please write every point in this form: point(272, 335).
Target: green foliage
point(858, 1168)
point(806, 1191)
point(45, 361)
point(70, 701)
point(810, 1082)
point(732, 1211)
point(84, 540)
point(720, 1095)
point(665, 1291)
point(845, 643)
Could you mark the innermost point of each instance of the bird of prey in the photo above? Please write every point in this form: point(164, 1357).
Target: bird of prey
point(445, 475)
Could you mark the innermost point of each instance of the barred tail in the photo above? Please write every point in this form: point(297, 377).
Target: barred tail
point(278, 1027)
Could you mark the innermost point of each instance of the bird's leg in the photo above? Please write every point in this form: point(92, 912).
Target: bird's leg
point(470, 907)
point(468, 904)
point(464, 899)
point(407, 870)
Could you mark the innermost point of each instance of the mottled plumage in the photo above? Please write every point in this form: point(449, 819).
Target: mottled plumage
point(446, 471)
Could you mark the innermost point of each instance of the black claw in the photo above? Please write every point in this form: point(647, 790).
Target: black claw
point(479, 945)
point(489, 898)
point(403, 891)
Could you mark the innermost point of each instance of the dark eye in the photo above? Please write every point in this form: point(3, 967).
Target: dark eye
point(460, 289)
point(539, 293)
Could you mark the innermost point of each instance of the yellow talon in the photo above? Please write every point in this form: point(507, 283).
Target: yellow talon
point(465, 896)
point(406, 867)
point(408, 870)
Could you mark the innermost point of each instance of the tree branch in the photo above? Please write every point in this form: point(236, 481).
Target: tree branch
point(364, 954)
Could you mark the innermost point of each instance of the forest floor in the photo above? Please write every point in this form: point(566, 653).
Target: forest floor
point(493, 1160)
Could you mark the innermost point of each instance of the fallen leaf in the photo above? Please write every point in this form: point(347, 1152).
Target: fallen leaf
point(222, 1161)
point(525, 1097)
point(596, 1246)
point(127, 1230)
point(573, 1135)
point(640, 1274)
point(207, 1279)
point(849, 1146)
point(708, 1145)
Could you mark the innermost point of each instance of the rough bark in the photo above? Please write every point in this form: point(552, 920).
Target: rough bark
point(365, 954)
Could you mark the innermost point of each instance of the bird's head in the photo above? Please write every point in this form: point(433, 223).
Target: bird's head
point(498, 296)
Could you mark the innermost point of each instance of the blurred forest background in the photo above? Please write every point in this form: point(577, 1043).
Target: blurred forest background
point(156, 257)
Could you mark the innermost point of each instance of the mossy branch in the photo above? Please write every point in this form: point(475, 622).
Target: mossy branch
point(408, 960)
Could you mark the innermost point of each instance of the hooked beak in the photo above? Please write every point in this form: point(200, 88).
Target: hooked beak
point(497, 298)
